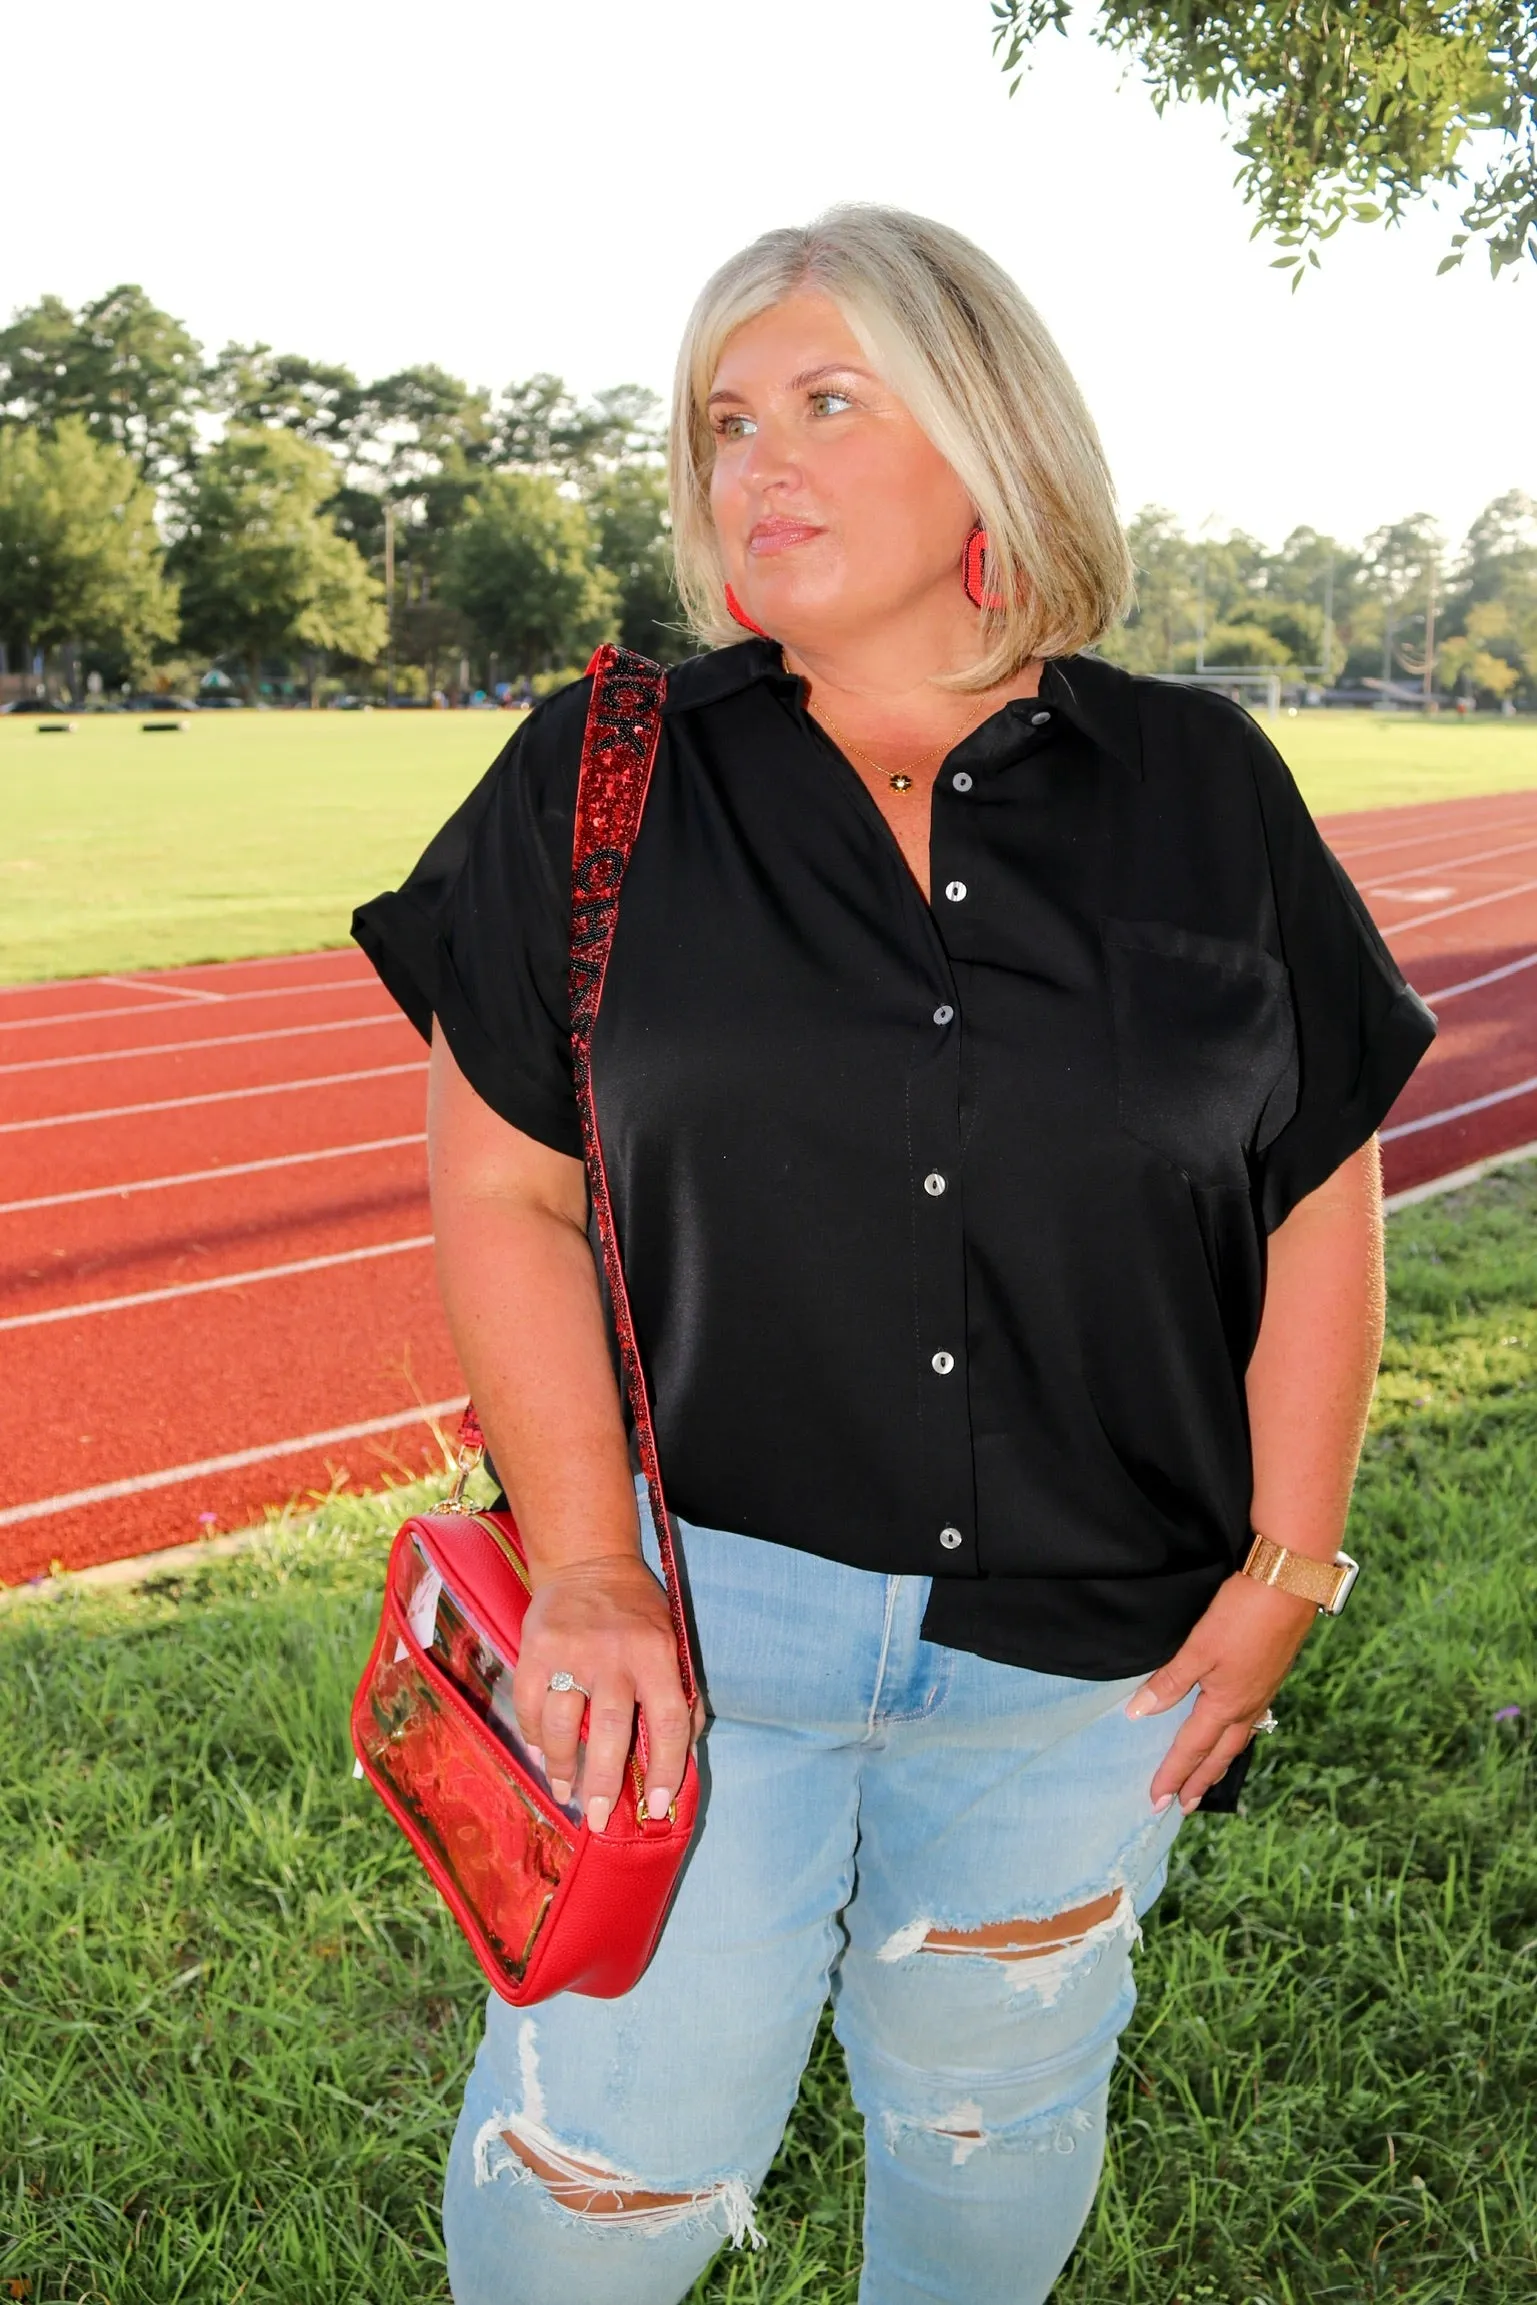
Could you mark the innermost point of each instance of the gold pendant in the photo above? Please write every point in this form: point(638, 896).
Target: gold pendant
point(899, 782)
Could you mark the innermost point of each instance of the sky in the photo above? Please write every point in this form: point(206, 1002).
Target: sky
point(544, 185)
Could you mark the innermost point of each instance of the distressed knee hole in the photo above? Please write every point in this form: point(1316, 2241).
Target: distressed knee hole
point(586, 2186)
point(961, 2130)
point(522, 2145)
point(1029, 1940)
point(585, 2190)
point(1040, 1958)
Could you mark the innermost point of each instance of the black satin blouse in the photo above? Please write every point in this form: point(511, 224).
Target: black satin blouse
point(945, 1223)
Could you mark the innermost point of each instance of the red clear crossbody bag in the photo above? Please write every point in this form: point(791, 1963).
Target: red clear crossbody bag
point(547, 1905)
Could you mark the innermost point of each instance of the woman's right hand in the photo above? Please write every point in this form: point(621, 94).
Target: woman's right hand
point(606, 1622)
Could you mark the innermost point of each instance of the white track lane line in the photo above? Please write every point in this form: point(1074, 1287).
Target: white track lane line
point(1477, 983)
point(163, 1008)
point(1469, 904)
point(207, 1176)
point(1460, 1111)
point(1426, 839)
point(154, 980)
point(1444, 864)
point(431, 1413)
point(220, 1281)
point(210, 1096)
point(177, 991)
point(391, 1015)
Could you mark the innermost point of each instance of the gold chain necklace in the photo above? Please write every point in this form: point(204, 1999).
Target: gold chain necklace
point(897, 778)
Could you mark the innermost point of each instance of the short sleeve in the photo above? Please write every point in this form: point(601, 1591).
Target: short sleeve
point(478, 936)
point(1361, 1030)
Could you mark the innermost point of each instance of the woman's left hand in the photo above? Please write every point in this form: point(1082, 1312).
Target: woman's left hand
point(1240, 1652)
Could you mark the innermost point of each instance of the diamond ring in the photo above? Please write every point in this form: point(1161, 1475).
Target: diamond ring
point(562, 1682)
point(1267, 1723)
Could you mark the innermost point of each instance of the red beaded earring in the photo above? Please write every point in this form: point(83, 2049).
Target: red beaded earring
point(973, 572)
point(741, 615)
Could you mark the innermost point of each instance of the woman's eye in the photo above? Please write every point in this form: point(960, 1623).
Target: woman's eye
point(830, 403)
point(734, 427)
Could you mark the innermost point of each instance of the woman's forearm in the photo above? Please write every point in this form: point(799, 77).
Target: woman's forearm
point(521, 1293)
point(1311, 1376)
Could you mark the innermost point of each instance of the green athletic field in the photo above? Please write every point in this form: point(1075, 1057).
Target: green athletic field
point(234, 2022)
point(256, 833)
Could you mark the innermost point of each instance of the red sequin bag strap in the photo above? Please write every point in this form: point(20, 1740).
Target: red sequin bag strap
point(624, 727)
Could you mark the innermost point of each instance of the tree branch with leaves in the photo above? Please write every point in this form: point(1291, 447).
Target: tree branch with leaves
point(1340, 109)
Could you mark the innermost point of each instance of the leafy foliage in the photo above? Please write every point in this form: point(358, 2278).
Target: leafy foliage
point(523, 572)
point(80, 555)
point(262, 568)
point(129, 371)
point(1213, 601)
point(1341, 108)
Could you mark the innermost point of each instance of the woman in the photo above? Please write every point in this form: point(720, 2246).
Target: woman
point(988, 1068)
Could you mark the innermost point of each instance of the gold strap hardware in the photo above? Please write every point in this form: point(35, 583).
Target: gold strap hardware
point(1324, 1583)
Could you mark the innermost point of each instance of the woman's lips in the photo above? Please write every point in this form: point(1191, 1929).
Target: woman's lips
point(778, 535)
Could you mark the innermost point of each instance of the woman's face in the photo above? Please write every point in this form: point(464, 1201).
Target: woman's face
point(835, 512)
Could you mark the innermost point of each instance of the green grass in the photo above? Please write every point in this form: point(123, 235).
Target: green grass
point(1349, 760)
point(257, 833)
point(248, 833)
point(235, 2022)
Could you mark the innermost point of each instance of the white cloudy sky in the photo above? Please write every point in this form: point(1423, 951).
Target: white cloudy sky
point(544, 183)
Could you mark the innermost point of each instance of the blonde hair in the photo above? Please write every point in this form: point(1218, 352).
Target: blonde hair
point(950, 332)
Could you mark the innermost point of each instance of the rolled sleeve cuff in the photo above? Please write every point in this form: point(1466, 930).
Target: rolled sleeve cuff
point(1305, 1157)
point(417, 971)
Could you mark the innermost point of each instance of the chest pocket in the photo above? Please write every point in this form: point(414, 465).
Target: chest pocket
point(1205, 1046)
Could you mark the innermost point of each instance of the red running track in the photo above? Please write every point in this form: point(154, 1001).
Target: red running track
point(216, 1286)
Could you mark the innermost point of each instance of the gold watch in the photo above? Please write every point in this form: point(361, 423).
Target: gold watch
point(1326, 1584)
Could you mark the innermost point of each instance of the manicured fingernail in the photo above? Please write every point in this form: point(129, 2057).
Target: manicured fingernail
point(1143, 1702)
point(561, 1788)
point(1190, 1807)
point(536, 1756)
point(598, 1813)
point(1162, 1803)
point(658, 1801)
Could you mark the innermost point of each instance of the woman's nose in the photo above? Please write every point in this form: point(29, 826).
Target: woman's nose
point(770, 461)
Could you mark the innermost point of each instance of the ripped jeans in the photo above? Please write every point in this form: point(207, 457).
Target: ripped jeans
point(871, 1802)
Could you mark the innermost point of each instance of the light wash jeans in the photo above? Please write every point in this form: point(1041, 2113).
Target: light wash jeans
point(862, 1787)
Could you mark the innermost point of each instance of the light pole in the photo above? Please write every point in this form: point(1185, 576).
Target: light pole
point(1329, 623)
point(389, 602)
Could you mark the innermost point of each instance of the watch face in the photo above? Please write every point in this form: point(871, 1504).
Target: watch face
point(1352, 1570)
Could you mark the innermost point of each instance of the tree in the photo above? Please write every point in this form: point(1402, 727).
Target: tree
point(250, 384)
point(263, 570)
point(127, 369)
point(1492, 604)
point(1342, 108)
point(81, 559)
point(1403, 568)
point(522, 570)
point(629, 509)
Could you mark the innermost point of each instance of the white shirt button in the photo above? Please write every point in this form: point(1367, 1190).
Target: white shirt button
point(933, 1184)
point(1039, 719)
point(942, 1364)
point(955, 890)
point(950, 1538)
point(943, 1013)
point(961, 781)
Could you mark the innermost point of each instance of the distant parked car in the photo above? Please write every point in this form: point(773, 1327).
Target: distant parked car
point(158, 704)
point(219, 703)
point(32, 704)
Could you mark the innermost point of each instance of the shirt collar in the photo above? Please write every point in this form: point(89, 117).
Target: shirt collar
point(1100, 701)
point(1096, 698)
